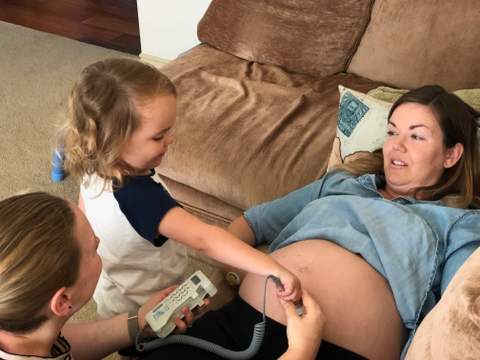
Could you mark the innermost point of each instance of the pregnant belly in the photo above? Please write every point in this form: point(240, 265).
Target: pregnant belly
point(357, 301)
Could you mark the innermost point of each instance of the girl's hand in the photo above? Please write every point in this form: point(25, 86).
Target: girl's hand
point(290, 288)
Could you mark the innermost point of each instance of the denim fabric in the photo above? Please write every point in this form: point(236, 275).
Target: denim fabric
point(416, 245)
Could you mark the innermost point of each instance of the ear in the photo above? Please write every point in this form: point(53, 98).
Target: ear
point(61, 303)
point(453, 155)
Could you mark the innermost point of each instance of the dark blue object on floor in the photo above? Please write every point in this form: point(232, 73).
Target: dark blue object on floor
point(57, 172)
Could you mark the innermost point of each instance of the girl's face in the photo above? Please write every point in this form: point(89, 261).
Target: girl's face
point(414, 152)
point(144, 150)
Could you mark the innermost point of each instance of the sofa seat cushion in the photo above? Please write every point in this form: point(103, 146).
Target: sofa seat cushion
point(452, 329)
point(247, 133)
point(316, 37)
point(412, 43)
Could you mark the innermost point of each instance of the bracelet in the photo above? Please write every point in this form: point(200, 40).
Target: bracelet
point(132, 323)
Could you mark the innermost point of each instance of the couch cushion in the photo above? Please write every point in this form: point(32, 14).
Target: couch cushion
point(247, 133)
point(412, 43)
point(315, 37)
point(452, 329)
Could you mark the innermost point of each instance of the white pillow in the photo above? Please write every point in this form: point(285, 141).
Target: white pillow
point(362, 125)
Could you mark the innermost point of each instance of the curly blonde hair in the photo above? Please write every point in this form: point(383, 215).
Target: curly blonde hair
point(103, 115)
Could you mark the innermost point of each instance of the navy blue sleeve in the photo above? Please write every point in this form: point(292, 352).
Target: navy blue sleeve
point(144, 203)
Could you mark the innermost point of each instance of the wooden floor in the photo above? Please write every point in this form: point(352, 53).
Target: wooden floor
point(109, 23)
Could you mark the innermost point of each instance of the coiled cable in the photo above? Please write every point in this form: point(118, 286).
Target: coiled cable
point(248, 353)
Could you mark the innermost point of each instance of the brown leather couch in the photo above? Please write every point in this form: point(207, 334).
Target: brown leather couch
point(258, 99)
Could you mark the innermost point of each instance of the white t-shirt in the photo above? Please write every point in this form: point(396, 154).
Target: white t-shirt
point(137, 261)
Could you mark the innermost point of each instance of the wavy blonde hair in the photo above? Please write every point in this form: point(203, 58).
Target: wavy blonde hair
point(459, 186)
point(38, 255)
point(103, 115)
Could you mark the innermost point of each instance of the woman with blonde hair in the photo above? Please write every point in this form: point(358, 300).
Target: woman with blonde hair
point(49, 268)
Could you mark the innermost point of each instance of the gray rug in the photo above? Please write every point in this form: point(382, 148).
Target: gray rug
point(37, 71)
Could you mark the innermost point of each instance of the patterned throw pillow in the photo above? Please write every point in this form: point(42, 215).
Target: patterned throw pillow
point(362, 125)
point(362, 120)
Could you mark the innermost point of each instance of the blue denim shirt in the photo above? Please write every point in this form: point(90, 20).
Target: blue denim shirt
point(416, 245)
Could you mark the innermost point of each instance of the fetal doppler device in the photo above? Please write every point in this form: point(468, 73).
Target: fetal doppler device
point(191, 293)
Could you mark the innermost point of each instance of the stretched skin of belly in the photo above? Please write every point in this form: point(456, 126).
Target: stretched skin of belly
point(357, 301)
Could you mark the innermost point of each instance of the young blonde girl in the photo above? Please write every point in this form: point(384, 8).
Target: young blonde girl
point(122, 114)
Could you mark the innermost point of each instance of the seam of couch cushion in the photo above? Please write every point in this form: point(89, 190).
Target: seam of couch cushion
point(355, 46)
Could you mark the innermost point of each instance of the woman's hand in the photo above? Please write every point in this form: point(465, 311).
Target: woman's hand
point(181, 324)
point(290, 288)
point(304, 332)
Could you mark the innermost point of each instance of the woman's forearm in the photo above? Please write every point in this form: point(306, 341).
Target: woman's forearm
point(97, 339)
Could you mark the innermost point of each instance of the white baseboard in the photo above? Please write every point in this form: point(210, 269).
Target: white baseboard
point(154, 60)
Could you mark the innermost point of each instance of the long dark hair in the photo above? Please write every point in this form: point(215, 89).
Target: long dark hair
point(459, 185)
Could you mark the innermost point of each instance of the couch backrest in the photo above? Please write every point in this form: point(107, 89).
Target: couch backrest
point(410, 43)
point(316, 37)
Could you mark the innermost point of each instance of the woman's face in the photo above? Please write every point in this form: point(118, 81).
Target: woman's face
point(90, 262)
point(414, 153)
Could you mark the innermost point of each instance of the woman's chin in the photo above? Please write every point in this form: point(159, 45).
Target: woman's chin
point(397, 187)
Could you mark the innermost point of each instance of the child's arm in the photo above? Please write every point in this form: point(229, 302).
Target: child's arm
point(222, 246)
point(240, 228)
